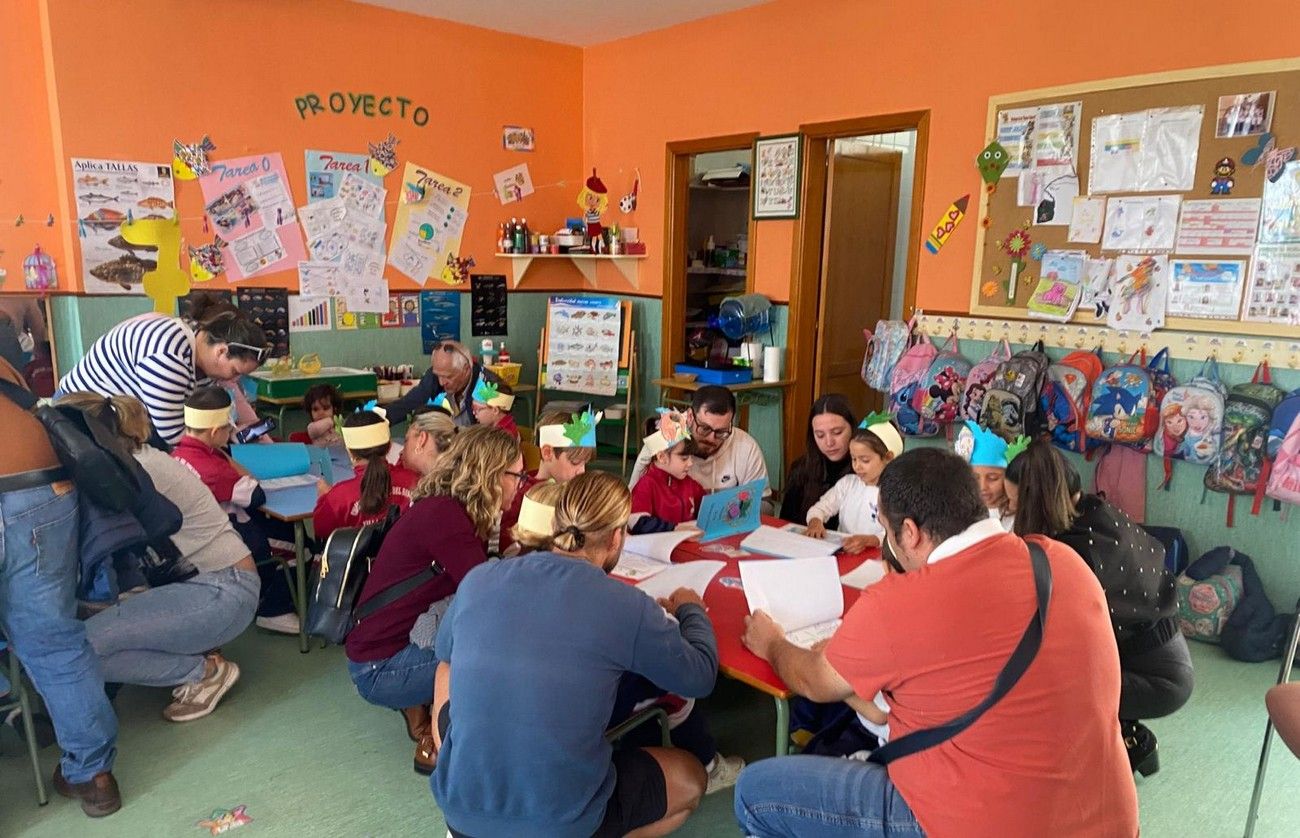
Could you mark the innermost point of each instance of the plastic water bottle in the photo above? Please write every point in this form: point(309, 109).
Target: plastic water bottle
point(744, 315)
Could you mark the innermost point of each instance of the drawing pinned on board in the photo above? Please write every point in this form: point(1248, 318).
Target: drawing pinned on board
point(383, 155)
point(190, 161)
point(1267, 154)
point(517, 138)
point(991, 162)
point(951, 218)
point(513, 184)
point(1222, 182)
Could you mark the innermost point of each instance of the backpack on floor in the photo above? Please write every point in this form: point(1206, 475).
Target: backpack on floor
point(1205, 605)
point(909, 374)
point(1011, 404)
point(977, 382)
point(884, 347)
point(1176, 551)
point(1284, 481)
point(1066, 397)
point(1191, 421)
point(938, 398)
point(1123, 409)
point(1242, 465)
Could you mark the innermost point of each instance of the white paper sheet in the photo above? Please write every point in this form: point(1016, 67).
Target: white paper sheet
point(1170, 144)
point(273, 200)
point(364, 286)
point(1141, 224)
point(636, 568)
point(1116, 147)
point(1015, 134)
point(1056, 135)
point(787, 545)
point(806, 638)
point(1096, 286)
point(319, 279)
point(256, 250)
point(797, 593)
point(1057, 188)
point(1280, 213)
point(695, 575)
point(362, 196)
point(868, 573)
point(831, 535)
point(658, 545)
point(1218, 227)
point(1206, 288)
point(1086, 219)
point(319, 218)
point(1274, 292)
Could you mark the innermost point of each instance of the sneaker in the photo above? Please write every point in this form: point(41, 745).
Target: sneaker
point(99, 795)
point(194, 701)
point(724, 772)
point(280, 624)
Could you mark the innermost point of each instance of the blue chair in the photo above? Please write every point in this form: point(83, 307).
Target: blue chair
point(17, 700)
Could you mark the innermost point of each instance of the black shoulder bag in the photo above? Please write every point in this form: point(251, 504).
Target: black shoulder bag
point(1023, 655)
point(95, 458)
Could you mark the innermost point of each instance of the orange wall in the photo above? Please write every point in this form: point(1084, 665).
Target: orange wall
point(132, 75)
point(772, 67)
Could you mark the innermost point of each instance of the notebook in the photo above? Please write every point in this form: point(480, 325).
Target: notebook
point(803, 596)
point(645, 555)
point(731, 511)
point(785, 544)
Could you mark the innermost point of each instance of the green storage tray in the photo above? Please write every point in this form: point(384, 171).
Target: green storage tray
point(295, 384)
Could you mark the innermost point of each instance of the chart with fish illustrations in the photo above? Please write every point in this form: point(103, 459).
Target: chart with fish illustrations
point(583, 340)
point(108, 193)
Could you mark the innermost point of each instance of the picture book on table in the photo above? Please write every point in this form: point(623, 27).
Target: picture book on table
point(731, 511)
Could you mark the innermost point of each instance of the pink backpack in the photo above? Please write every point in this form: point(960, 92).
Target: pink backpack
point(909, 374)
point(1284, 482)
point(972, 399)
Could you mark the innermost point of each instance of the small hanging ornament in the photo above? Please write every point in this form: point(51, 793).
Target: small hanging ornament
point(19, 221)
point(38, 271)
point(49, 221)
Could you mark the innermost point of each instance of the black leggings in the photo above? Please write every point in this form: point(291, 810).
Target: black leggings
point(1157, 682)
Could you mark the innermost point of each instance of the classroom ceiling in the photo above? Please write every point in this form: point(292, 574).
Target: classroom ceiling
point(577, 22)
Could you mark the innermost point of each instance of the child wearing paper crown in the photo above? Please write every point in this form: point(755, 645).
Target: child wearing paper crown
point(566, 444)
point(854, 497)
point(988, 455)
point(491, 405)
point(378, 484)
point(536, 525)
point(666, 495)
point(208, 427)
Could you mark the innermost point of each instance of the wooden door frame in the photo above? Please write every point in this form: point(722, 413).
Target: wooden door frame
point(677, 180)
point(806, 255)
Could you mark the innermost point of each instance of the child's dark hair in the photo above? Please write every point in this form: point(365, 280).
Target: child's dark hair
point(211, 397)
point(875, 443)
point(320, 393)
point(1047, 484)
point(220, 322)
point(377, 483)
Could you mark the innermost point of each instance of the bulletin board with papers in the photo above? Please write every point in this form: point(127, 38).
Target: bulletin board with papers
point(1164, 201)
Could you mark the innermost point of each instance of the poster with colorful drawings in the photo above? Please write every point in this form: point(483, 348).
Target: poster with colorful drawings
point(326, 170)
point(108, 192)
point(247, 201)
point(1060, 285)
point(1138, 292)
point(582, 345)
point(427, 229)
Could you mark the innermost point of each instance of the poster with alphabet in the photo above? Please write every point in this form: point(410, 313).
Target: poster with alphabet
point(248, 203)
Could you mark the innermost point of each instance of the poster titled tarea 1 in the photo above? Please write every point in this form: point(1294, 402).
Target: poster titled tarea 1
point(340, 102)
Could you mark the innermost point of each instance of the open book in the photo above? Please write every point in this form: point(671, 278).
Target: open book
point(645, 555)
point(786, 544)
point(803, 596)
point(695, 575)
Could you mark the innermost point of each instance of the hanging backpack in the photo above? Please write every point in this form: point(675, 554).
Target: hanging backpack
point(1066, 397)
point(1011, 404)
point(977, 382)
point(1191, 421)
point(1162, 381)
point(938, 398)
point(1284, 480)
point(1242, 465)
point(1123, 409)
point(1284, 417)
point(909, 373)
point(884, 347)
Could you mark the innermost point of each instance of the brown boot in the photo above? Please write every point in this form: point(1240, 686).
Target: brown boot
point(417, 721)
point(426, 754)
point(99, 795)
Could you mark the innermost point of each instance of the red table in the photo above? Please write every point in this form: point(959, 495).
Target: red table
point(727, 610)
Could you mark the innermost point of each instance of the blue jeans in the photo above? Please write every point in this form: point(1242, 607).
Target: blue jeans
point(159, 638)
point(404, 680)
point(821, 797)
point(38, 576)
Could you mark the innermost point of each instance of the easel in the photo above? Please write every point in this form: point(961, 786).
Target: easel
point(627, 386)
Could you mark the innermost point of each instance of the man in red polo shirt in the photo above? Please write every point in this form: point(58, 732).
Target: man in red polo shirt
point(1047, 759)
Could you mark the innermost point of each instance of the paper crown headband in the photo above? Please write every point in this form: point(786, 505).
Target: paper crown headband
point(882, 428)
point(489, 393)
point(201, 419)
point(672, 430)
point(580, 433)
point(368, 436)
point(981, 447)
point(536, 517)
point(441, 402)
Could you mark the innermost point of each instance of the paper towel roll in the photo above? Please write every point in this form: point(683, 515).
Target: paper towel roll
point(772, 357)
point(753, 352)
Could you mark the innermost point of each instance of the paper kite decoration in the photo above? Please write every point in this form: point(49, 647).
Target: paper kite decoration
point(383, 156)
point(1274, 159)
point(190, 161)
point(672, 430)
point(992, 162)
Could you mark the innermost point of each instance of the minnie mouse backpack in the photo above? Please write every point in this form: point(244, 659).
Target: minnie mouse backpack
point(977, 382)
point(938, 398)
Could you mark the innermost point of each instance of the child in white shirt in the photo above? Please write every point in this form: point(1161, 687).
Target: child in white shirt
point(855, 497)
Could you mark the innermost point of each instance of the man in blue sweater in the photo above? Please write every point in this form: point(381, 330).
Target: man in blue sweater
point(452, 370)
point(538, 645)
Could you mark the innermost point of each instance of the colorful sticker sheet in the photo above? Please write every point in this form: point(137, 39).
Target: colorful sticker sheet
point(247, 201)
point(427, 229)
point(107, 193)
point(1205, 289)
point(582, 346)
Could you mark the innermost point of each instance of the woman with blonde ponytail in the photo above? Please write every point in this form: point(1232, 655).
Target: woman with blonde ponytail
point(540, 645)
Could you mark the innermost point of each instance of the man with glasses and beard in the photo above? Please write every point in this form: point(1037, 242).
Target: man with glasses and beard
point(722, 455)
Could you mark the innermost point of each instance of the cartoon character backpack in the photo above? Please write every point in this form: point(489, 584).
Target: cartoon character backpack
point(884, 347)
point(1124, 409)
point(1191, 420)
point(1066, 397)
point(938, 399)
point(1284, 481)
point(1242, 465)
point(1162, 381)
point(909, 374)
point(977, 382)
point(1011, 405)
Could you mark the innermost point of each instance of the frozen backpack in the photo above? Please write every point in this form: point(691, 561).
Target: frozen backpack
point(884, 347)
point(909, 374)
point(1123, 409)
point(1011, 404)
point(1191, 420)
point(1066, 397)
point(1242, 465)
point(938, 398)
point(1284, 481)
point(977, 382)
point(1162, 381)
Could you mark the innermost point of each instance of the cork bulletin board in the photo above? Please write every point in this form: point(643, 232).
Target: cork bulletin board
point(1000, 213)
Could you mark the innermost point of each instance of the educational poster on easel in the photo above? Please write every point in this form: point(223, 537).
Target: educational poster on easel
point(431, 214)
point(248, 203)
point(108, 193)
point(583, 344)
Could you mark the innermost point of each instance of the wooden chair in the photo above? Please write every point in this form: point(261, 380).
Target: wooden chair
point(18, 700)
point(1283, 703)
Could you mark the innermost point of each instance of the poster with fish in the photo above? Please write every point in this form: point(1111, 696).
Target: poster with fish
point(247, 201)
point(582, 350)
point(327, 169)
point(431, 214)
point(107, 193)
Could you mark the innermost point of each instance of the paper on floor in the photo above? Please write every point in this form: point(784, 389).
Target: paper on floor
point(787, 545)
point(798, 593)
point(694, 575)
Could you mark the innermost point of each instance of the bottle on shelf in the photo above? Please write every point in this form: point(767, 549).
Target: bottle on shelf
point(523, 227)
point(503, 357)
point(488, 352)
point(505, 243)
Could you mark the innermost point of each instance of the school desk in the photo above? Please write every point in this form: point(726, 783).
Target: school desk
point(727, 610)
point(295, 505)
point(286, 391)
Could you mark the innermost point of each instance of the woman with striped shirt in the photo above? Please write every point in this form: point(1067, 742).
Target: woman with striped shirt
point(160, 360)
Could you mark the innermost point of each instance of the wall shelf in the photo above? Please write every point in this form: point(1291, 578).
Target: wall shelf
point(586, 263)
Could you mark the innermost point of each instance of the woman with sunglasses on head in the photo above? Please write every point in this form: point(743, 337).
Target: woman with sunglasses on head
point(160, 360)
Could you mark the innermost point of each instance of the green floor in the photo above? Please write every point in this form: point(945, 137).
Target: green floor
point(296, 746)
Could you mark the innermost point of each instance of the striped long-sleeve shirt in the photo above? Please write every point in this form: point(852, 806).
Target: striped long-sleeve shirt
point(150, 357)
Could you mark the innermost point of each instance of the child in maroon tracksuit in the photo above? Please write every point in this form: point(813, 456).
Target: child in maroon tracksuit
point(666, 495)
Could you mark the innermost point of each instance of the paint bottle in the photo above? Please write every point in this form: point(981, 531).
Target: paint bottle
point(503, 357)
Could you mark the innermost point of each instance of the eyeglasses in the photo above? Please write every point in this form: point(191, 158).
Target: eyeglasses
point(259, 352)
point(518, 475)
point(704, 430)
